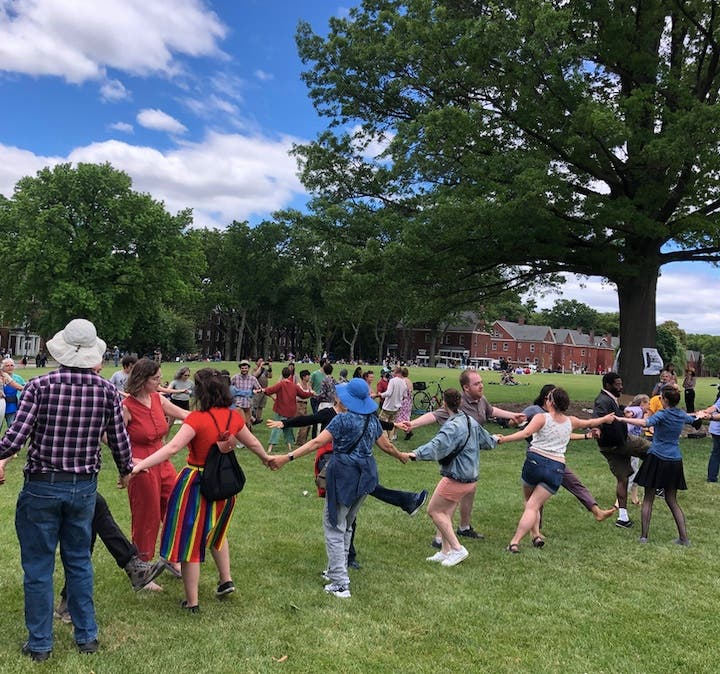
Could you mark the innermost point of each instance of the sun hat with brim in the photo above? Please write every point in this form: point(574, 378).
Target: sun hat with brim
point(355, 395)
point(244, 362)
point(77, 345)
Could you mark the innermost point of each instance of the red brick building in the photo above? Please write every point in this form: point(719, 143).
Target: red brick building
point(519, 344)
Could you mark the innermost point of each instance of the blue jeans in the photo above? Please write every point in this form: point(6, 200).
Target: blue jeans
point(714, 462)
point(47, 514)
point(539, 471)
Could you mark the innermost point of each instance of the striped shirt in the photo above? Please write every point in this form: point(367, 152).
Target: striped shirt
point(64, 414)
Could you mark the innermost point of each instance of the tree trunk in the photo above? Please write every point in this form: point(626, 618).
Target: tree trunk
point(636, 298)
point(432, 347)
point(351, 342)
point(240, 335)
point(380, 329)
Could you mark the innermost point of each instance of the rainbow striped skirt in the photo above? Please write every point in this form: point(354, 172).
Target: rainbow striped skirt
point(193, 523)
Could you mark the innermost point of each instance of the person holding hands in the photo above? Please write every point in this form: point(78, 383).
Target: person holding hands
point(544, 465)
point(351, 473)
point(456, 447)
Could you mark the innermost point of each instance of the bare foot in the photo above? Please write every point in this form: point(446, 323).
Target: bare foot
point(601, 515)
point(152, 586)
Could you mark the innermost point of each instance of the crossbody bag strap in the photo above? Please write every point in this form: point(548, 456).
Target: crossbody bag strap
point(360, 437)
point(447, 460)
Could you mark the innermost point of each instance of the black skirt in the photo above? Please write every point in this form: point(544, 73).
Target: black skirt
point(657, 473)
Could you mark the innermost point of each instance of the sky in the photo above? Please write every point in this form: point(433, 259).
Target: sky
point(200, 101)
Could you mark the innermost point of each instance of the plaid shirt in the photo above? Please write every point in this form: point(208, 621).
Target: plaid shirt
point(64, 414)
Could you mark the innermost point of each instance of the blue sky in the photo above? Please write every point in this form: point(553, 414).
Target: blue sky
point(199, 101)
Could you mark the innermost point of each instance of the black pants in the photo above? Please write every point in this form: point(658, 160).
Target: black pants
point(689, 400)
point(116, 542)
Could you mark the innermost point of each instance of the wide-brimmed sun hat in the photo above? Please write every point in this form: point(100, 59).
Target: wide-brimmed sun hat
point(77, 345)
point(355, 395)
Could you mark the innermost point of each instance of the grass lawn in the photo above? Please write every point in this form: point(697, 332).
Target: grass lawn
point(592, 600)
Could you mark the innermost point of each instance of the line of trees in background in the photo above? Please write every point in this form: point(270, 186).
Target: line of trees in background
point(79, 241)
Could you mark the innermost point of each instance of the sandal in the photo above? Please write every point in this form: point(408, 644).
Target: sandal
point(514, 548)
point(538, 541)
point(189, 609)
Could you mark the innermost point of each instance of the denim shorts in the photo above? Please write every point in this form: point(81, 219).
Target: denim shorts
point(539, 471)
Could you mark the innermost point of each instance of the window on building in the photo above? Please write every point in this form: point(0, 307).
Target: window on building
point(494, 346)
point(505, 346)
point(532, 348)
point(461, 339)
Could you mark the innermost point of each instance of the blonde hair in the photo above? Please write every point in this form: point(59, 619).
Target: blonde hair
point(639, 400)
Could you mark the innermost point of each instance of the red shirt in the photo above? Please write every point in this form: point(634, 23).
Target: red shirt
point(206, 433)
point(147, 427)
point(285, 392)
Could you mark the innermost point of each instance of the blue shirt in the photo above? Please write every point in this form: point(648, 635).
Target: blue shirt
point(714, 427)
point(667, 425)
point(351, 472)
point(465, 467)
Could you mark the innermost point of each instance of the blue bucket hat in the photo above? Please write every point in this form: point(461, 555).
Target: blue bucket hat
point(355, 395)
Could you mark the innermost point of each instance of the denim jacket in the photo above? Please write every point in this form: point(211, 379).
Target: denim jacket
point(465, 467)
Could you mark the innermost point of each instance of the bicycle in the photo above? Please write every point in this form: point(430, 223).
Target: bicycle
point(423, 400)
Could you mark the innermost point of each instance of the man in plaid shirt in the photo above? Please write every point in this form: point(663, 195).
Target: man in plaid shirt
point(64, 414)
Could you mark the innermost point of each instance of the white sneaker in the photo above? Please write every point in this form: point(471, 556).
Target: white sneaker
point(341, 591)
point(439, 556)
point(455, 557)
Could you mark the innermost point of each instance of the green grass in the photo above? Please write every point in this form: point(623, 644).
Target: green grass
point(592, 600)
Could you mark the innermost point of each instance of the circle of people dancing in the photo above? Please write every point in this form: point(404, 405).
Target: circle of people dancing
point(64, 416)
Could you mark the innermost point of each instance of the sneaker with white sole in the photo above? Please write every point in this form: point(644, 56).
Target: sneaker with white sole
point(437, 557)
point(455, 556)
point(341, 591)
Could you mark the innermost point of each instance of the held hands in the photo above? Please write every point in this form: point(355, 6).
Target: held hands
point(277, 461)
point(610, 418)
point(273, 423)
point(124, 480)
point(404, 425)
point(518, 419)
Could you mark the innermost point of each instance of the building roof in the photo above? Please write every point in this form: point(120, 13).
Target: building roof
point(527, 333)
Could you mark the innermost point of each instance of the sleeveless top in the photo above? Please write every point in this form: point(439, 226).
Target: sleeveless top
point(148, 427)
point(553, 437)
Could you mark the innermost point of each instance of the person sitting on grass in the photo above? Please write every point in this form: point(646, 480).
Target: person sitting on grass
point(663, 467)
point(544, 465)
point(456, 447)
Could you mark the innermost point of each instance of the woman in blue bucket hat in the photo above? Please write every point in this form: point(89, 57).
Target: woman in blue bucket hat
point(351, 473)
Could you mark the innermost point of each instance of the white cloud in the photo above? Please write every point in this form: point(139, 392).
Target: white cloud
point(224, 177)
point(123, 127)
point(677, 283)
point(16, 163)
point(371, 147)
point(264, 76)
point(209, 106)
point(113, 90)
point(152, 118)
point(79, 40)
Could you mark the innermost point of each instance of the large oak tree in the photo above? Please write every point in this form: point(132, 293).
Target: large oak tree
point(528, 136)
point(79, 241)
